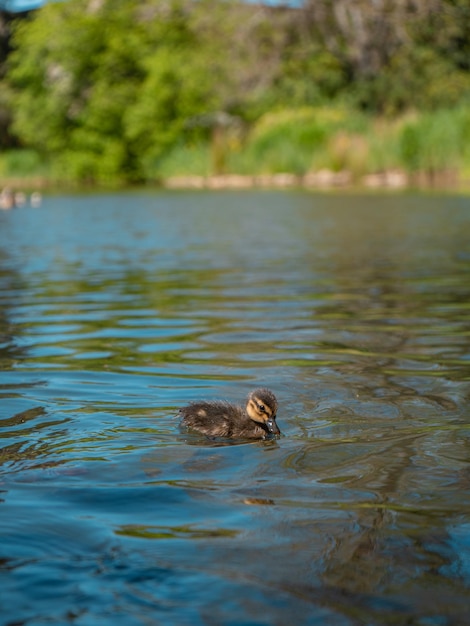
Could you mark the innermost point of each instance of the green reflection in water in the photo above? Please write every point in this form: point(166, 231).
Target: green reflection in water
point(175, 532)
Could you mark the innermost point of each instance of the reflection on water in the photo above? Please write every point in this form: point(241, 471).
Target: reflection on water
point(117, 309)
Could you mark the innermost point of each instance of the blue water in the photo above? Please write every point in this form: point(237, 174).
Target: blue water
point(116, 309)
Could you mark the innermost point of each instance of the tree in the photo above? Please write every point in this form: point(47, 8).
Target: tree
point(105, 86)
point(397, 53)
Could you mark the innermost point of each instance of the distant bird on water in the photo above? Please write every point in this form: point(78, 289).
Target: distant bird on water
point(223, 419)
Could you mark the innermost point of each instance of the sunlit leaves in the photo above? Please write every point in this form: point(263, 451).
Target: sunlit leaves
point(105, 90)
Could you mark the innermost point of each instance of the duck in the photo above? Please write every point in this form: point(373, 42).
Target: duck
point(222, 419)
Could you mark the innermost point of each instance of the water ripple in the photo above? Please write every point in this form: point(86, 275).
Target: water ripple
point(353, 309)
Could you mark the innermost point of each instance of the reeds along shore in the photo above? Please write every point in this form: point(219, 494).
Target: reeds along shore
point(328, 147)
point(323, 179)
point(323, 147)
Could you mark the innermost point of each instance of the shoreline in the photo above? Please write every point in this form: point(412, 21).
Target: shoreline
point(322, 180)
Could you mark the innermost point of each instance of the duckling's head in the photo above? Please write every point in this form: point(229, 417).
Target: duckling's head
point(261, 407)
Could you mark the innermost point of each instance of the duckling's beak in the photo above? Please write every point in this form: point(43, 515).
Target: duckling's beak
point(272, 426)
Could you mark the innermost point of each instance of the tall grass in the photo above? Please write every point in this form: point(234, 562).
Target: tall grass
point(434, 142)
point(184, 159)
point(21, 163)
point(311, 139)
point(308, 140)
point(292, 141)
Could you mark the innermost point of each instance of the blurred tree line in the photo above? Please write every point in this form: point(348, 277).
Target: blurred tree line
point(106, 88)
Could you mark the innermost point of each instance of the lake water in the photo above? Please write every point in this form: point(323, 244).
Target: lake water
point(116, 309)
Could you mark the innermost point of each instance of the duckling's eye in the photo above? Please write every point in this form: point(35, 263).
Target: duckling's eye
point(261, 407)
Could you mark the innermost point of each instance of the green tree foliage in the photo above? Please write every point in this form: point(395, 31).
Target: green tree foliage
point(69, 95)
point(397, 54)
point(108, 89)
point(104, 86)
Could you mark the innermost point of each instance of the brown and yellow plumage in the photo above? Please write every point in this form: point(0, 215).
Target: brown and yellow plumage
point(223, 419)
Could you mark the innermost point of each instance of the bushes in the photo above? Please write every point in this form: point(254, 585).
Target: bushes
point(436, 142)
point(311, 139)
point(112, 91)
point(189, 160)
point(26, 165)
point(289, 141)
point(294, 141)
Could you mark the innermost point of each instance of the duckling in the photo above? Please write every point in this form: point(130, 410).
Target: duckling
point(222, 419)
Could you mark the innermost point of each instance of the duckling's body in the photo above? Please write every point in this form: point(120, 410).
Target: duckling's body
point(222, 419)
